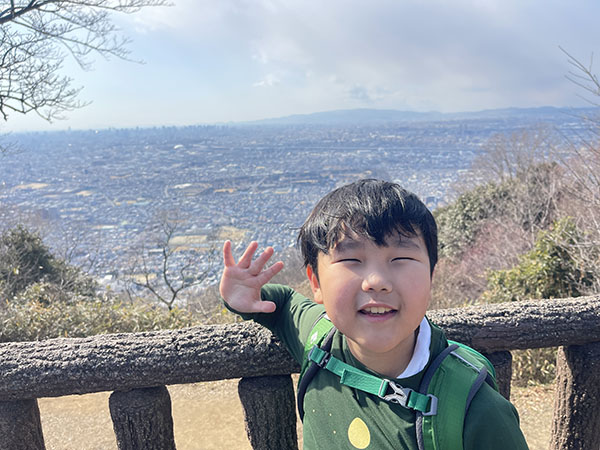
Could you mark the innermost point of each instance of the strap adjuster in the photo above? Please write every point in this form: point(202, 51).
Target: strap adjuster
point(319, 356)
point(432, 406)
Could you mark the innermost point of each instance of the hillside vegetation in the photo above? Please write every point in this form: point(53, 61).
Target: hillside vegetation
point(530, 230)
point(43, 297)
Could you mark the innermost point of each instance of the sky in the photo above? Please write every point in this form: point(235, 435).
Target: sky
point(214, 61)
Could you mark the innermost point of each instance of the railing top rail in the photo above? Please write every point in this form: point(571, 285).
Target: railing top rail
point(526, 324)
point(58, 367)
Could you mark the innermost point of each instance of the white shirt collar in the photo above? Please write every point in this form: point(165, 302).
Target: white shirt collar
point(420, 355)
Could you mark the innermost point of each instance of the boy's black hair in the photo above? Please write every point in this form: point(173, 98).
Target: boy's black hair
point(372, 209)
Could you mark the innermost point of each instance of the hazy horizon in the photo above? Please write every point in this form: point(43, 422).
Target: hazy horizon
point(331, 118)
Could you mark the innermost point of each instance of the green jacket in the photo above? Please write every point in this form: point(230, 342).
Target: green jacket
point(339, 417)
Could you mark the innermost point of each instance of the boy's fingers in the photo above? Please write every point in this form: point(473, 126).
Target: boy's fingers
point(246, 258)
point(259, 263)
point(269, 273)
point(227, 255)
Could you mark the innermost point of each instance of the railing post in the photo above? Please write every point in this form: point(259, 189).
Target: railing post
point(502, 362)
point(269, 412)
point(142, 419)
point(20, 426)
point(576, 421)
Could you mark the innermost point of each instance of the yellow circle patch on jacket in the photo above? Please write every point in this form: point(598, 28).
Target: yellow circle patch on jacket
point(358, 434)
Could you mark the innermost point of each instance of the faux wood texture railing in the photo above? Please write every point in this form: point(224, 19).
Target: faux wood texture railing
point(137, 366)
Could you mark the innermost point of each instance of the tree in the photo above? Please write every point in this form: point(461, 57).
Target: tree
point(554, 268)
point(582, 163)
point(166, 265)
point(508, 156)
point(583, 76)
point(43, 296)
point(523, 162)
point(25, 261)
point(35, 38)
point(583, 160)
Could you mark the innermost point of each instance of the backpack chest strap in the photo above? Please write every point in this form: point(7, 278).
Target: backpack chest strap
point(383, 388)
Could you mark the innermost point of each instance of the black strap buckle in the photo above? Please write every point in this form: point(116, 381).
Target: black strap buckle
point(323, 360)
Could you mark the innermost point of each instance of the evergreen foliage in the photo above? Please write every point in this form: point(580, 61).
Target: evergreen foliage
point(459, 222)
point(25, 260)
point(528, 198)
point(549, 270)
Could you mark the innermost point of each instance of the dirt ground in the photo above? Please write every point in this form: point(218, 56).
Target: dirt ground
point(208, 416)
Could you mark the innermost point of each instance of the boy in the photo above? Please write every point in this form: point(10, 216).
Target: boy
point(370, 249)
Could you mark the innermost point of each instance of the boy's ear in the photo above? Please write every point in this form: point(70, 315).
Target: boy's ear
point(314, 284)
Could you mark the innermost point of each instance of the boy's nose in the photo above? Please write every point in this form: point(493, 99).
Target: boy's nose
point(377, 281)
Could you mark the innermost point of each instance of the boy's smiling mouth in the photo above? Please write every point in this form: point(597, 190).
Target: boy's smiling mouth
point(377, 311)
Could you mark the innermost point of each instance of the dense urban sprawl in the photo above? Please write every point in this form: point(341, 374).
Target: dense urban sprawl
point(102, 193)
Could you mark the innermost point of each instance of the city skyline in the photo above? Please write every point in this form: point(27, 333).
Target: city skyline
point(233, 60)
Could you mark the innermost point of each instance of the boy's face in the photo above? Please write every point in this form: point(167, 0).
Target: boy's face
point(376, 296)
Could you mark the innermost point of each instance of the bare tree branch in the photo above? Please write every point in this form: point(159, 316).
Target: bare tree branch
point(176, 271)
point(583, 76)
point(35, 38)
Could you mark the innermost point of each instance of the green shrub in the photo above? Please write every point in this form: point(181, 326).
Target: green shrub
point(529, 199)
point(25, 260)
point(459, 222)
point(549, 270)
point(37, 319)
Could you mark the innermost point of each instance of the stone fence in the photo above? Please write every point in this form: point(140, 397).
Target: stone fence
point(136, 368)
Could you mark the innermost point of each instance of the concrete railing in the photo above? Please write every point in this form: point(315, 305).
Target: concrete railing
point(137, 367)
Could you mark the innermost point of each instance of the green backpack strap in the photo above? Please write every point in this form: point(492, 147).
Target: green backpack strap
point(318, 333)
point(477, 360)
point(454, 377)
point(320, 336)
point(317, 356)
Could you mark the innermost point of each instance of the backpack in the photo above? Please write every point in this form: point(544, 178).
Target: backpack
point(440, 412)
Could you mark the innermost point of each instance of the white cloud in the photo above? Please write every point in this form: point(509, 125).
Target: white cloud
point(269, 80)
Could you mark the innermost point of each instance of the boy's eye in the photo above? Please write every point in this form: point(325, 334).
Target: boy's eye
point(349, 260)
point(403, 258)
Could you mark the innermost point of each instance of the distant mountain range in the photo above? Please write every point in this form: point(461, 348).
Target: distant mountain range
point(373, 116)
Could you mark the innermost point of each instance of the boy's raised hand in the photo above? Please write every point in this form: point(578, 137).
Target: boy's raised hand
point(240, 283)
